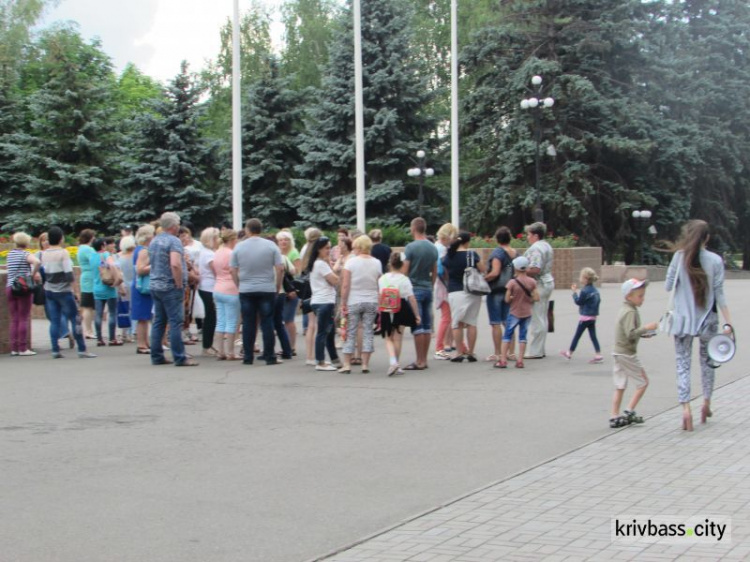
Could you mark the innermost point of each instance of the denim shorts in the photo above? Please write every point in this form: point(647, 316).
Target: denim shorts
point(290, 309)
point(497, 308)
point(424, 302)
point(510, 327)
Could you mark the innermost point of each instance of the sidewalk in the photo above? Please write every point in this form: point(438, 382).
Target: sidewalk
point(561, 510)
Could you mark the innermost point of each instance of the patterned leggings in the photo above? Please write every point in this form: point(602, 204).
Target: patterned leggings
point(364, 312)
point(684, 349)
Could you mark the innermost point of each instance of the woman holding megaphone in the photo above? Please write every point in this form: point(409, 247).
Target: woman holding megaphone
point(697, 278)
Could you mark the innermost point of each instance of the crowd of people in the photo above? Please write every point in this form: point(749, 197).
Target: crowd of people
point(234, 284)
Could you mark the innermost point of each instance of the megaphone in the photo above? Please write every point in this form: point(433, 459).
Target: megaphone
point(721, 348)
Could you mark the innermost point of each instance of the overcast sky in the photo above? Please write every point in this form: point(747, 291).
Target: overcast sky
point(156, 35)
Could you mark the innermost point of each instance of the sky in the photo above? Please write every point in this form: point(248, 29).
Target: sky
point(155, 35)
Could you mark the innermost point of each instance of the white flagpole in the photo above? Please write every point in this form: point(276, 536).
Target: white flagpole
point(455, 215)
point(236, 122)
point(359, 123)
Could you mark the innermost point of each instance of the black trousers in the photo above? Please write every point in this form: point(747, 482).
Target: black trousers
point(209, 322)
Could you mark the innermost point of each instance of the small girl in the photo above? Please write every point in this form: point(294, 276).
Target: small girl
point(408, 315)
point(588, 300)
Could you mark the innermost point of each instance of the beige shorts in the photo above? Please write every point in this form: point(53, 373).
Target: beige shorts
point(628, 366)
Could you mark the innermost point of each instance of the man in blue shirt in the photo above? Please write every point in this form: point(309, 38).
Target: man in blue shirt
point(168, 281)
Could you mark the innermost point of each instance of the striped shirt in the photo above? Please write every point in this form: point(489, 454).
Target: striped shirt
point(17, 264)
point(58, 271)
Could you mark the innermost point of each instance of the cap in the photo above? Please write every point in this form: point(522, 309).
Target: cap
point(521, 263)
point(632, 284)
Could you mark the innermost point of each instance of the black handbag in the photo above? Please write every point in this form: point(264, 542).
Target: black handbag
point(302, 286)
point(39, 297)
point(288, 283)
point(307, 306)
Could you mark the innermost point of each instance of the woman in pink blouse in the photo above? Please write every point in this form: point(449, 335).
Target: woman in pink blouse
point(226, 298)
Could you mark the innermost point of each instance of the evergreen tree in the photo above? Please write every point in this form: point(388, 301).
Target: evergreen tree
point(395, 127)
point(272, 121)
point(65, 157)
point(169, 165)
point(610, 143)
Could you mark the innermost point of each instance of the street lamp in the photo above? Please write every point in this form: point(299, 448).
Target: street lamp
point(420, 171)
point(537, 103)
point(642, 219)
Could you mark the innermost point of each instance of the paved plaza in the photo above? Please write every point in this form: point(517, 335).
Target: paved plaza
point(115, 460)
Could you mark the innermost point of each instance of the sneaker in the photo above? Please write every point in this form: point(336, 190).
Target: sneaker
point(86, 355)
point(597, 359)
point(57, 355)
point(325, 367)
point(13, 353)
point(566, 354)
point(311, 363)
point(442, 355)
point(394, 370)
point(27, 353)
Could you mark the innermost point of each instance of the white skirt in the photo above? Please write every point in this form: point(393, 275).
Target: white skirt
point(464, 308)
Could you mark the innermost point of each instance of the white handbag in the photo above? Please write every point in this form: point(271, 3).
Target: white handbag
point(667, 320)
point(474, 282)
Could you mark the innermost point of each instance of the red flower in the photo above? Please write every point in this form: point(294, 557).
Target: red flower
point(519, 236)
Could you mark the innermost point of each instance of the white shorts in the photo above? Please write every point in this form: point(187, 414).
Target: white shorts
point(628, 366)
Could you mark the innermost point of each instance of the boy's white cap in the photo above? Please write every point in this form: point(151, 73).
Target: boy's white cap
point(633, 284)
point(521, 263)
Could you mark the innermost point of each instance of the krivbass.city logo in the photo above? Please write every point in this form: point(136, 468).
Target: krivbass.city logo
point(671, 529)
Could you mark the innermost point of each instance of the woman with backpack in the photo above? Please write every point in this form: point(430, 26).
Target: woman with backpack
point(106, 278)
point(501, 271)
point(464, 305)
point(20, 263)
point(398, 308)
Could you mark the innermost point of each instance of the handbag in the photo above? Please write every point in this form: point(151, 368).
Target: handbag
point(302, 286)
point(474, 282)
point(307, 306)
point(123, 314)
point(39, 297)
point(551, 317)
point(22, 286)
point(143, 284)
point(500, 283)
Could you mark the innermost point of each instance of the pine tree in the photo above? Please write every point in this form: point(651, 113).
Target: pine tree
point(169, 165)
point(65, 158)
point(272, 121)
point(395, 126)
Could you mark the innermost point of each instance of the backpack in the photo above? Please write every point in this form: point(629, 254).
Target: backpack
point(389, 300)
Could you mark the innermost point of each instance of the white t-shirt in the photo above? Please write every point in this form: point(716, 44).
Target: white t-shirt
point(399, 281)
point(364, 283)
point(322, 291)
point(193, 251)
point(208, 279)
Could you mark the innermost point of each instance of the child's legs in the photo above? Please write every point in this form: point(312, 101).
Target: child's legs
point(577, 337)
point(617, 401)
point(591, 325)
point(510, 328)
point(639, 391)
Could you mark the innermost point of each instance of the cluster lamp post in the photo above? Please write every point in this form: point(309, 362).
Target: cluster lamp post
point(420, 171)
point(535, 104)
point(642, 219)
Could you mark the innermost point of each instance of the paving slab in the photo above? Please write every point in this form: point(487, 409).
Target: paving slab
point(112, 459)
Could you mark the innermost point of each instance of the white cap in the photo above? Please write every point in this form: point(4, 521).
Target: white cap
point(521, 263)
point(631, 285)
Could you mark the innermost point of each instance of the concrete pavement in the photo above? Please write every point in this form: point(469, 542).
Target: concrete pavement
point(112, 459)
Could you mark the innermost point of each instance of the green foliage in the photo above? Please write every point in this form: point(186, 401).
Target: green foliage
point(308, 30)
point(17, 18)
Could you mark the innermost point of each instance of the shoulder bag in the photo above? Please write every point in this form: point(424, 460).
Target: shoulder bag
point(500, 283)
point(474, 282)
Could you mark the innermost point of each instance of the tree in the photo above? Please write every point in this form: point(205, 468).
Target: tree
point(272, 121)
point(168, 164)
point(17, 18)
point(395, 126)
point(134, 93)
point(65, 157)
point(309, 29)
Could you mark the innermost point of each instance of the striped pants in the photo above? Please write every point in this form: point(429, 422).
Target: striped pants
point(684, 349)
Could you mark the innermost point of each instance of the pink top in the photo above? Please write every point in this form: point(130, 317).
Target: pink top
point(521, 303)
point(586, 318)
point(224, 282)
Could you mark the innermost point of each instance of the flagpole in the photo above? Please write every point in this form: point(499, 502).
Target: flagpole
point(236, 122)
point(455, 215)
point(359, 116)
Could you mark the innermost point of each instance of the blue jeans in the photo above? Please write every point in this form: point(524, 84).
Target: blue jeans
point(111, 305)
point(227, 312)
point(280, 328)
point(424, 303)
point(61, 308)
point(510, 327)
point(497, 308)
point(589, 325)
point(252, 305)
point(168, 309)
point(326, 334)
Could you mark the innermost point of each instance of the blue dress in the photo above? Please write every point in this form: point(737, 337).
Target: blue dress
point(140, 305)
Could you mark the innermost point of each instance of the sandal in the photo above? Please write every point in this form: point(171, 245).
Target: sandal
point(471, 358)
point(492, 358)
point(221, 357)
point(143, 351)
point(519, 365)
point(512, 357)
point(414, 367)
point(357, 361)
point(619, 421)
point(632, 417)
point(457, 359)
point(501, 364)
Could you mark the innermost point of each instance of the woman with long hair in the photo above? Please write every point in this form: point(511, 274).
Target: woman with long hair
point(312, 234)
point(141, 304)
point(464, 306)
point(444, 337)
point(697, 278)
point(323, 283)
